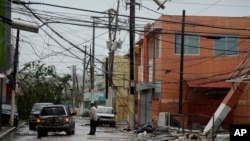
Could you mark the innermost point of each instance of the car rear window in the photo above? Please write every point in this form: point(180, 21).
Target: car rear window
point(39, 106)
point(53, 111)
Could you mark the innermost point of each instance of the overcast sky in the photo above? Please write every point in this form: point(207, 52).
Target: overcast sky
point(42, 47)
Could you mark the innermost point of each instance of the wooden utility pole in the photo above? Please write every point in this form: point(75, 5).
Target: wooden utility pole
point(181, 62)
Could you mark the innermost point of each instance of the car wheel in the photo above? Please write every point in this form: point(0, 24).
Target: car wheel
point(16, 123)
point(39, 134)
point(68, 132)
point(45, 133)
point(112, 124)
point(73, 132)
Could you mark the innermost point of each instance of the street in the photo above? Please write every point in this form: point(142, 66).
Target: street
point(82, 128)
point(103, 133)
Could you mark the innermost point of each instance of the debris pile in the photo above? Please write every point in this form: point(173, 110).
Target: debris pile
point(190, 137)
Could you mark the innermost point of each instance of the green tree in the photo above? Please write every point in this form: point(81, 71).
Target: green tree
point(39, 83)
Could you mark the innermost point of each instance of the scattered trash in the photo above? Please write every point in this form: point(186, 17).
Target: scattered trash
point(190, 137)
point(193, 136)
point(147, 127)
point(144, 133)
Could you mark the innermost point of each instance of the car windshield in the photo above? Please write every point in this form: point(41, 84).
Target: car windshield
point(53, 111)
point(105, 110)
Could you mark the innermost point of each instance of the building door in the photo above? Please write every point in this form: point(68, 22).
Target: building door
point(145, 106)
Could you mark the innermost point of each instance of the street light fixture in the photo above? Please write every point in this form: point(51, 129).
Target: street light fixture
point(26, 26)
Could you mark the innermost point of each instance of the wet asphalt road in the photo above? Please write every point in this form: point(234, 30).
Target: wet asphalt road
point(102, 134)
point(82, 128)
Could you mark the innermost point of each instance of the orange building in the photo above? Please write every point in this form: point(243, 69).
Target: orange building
point(213, 47)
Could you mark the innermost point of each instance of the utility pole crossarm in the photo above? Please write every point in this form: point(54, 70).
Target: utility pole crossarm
point(161, 5)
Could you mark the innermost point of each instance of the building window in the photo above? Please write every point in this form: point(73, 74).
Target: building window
point(151, 49)
point(226, 45)
point(142, 55)
point(158, 46)
point(151, 59)
point(191, 44)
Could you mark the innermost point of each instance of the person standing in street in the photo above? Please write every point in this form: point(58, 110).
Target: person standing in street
point(93, 119)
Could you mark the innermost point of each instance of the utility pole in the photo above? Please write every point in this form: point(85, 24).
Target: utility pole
point(19, 25)
point(110, 60)
point(181, 62)
point(106, 78)
point(83, 77)
point(112, 52)
point(1, 95)
point(131, 56)
point(92, 67)
point(13, 94)
point(74, 87)
point(116, 20)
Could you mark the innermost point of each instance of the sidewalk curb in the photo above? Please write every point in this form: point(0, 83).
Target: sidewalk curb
point(7, 131)
point(10, 129)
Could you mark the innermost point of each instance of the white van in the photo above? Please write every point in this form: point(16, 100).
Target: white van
point(106, 116)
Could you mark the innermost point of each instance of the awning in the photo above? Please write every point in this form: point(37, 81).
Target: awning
point(204, 83)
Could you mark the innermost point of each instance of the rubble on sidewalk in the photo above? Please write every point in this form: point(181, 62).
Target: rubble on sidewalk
point(175, 134)
point(191, 137)
point(163, 133)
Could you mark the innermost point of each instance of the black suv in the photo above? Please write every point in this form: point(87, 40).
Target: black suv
point(6, 112)
point(35, 111)
point(55, 118)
